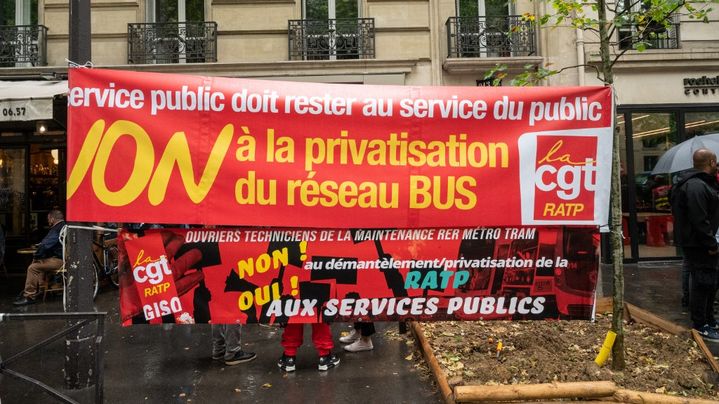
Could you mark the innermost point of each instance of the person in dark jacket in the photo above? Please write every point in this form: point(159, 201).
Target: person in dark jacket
point(47, 258)
point(695, 206)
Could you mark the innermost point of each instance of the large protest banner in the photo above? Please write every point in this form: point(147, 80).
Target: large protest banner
point(326, 170)
point(162, 148)
point(265, 275)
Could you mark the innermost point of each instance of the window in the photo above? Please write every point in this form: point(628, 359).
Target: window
point(175, 10)
point(486, 28)
point(18, 12)
point(332, 29)
point(178, 33)
point(22, 40)
point(640, 31)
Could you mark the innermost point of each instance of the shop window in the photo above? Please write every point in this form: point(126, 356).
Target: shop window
point(653, 134)
point(701, 123)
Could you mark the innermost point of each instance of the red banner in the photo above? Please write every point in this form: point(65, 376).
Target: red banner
point(309, 275)
point(161, 148)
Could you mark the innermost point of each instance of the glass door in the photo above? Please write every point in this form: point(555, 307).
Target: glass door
point(46, 189)
point(652, 135)
point(13, 212)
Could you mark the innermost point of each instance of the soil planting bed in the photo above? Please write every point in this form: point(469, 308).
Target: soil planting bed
point(564, 351)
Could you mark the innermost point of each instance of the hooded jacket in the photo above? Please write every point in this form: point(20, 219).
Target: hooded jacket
point(695, 206)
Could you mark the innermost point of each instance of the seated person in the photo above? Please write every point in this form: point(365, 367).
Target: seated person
point(47, 258)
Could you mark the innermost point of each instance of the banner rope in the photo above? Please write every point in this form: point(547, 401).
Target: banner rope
point(72, 64)
point(93, 227)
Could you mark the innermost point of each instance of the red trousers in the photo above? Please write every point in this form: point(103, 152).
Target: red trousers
point(321, 337)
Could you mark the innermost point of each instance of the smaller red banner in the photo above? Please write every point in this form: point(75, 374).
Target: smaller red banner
point(273, 275)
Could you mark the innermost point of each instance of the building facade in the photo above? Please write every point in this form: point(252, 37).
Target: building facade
point(665, 94)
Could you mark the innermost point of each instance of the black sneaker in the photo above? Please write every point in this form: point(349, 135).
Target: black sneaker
point(709, 333)
point(286, 363)
point(327, 362)
point(240, 357)
point(24, 301)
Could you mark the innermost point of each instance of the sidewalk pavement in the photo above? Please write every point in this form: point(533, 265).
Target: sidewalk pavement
point(653, 286)
point(171, 363)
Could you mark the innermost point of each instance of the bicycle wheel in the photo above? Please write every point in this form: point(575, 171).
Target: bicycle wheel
point(111, 266)
point(95, 287)
point(95, 280)
point(95, 284)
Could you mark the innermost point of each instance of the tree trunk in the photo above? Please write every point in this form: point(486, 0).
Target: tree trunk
point(617, 245)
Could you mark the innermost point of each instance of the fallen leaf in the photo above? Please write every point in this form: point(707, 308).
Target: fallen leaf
point(238, 390)
point(266, 386)
point(408, 357)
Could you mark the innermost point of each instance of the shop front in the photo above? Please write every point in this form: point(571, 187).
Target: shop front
point(647, 131)
point(32, 161)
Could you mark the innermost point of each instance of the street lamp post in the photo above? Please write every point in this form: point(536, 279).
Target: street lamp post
point(79, 355)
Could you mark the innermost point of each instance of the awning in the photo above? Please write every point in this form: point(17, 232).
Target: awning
point(28, 100)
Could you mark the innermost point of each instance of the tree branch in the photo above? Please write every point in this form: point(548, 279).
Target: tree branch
point(616, 58)
point(596, 69)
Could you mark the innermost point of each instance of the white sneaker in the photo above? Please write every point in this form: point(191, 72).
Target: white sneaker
point(359, 346)
point(350, 338)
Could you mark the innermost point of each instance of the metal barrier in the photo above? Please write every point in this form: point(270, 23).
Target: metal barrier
point(83, 319)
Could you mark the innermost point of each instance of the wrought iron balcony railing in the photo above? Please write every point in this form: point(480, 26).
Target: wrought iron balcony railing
point(486, 36)
point(652, 35)
point(351, 38)
point(172, 42)
point(23, 44)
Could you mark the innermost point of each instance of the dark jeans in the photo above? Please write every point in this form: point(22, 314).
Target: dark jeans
point(703, 268)
point(365, 329)
point(685, 280)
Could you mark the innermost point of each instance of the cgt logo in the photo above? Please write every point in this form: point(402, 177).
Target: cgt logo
point(559, 177)
point(570, 176)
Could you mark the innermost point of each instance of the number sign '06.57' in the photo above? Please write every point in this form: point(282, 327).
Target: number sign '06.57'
point(146, 147)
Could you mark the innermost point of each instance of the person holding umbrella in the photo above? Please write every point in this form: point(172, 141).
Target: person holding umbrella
point(695, 206)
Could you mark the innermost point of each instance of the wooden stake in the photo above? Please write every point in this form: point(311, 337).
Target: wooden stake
point(640, 397)
point(708, 353)
point(534, 391)
point(604, 305)
point(648, 318)
point(439, 375)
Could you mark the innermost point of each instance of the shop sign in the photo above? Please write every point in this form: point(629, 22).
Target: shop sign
point(701, 86)
point(25, 110)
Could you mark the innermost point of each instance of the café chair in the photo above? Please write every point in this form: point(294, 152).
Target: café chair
point(50, 282)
